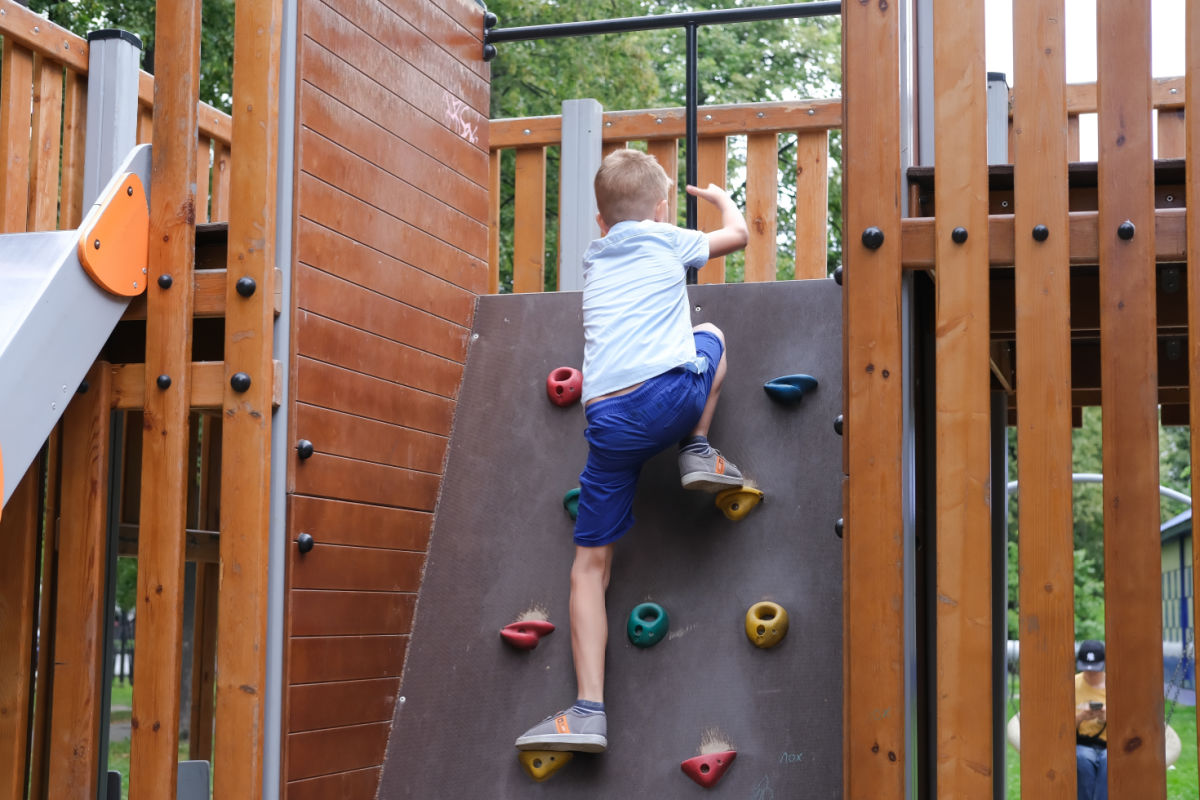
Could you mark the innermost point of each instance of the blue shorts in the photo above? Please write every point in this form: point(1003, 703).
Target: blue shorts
point(625, 432)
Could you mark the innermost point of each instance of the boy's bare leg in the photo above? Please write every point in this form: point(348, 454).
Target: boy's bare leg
point(589, 619)
point(710, 407)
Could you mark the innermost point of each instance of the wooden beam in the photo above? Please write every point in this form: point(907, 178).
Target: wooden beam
point(20, 532)
point(207, 384)
point(1043, 328)
point(154, 748)
point(39, 767)
point(201, 546)
point(712, 161)
point(241, 669)
point(81, 614)
point(204, 657)
point(874, 714)
point(529, 221)
point(812, 205)
point(1132, 550)
point(762, 205)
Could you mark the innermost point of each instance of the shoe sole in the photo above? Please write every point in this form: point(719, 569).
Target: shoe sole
point(579, 743)
point(709, 481)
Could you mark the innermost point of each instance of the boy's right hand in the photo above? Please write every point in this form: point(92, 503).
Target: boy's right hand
point(733, 234)
point(712, 193)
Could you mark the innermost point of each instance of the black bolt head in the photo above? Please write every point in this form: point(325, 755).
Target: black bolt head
point(96, 244)
point(490, 20)
point(838, 526)
point(1126, 230)
point(959, 235)
point(304, 449)
point(163, 381)
point(489, 52)
point(165, 281)
point(240, 381)
point(872, 238)
point(837, 275)
point(837, 424)
point(129, 191)
point(245, 286)
point(304, 542)
point(1040, 233)
point(83, 387)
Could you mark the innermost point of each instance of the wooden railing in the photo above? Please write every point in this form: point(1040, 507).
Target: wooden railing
point(43, 109)
point(760, 124)
point(1166, 96)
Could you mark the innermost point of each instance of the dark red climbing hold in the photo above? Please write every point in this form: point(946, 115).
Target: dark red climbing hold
point(707, 770)
point(564, 385)
point(525, 635)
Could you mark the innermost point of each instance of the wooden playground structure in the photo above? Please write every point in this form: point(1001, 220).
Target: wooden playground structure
point(314, 262)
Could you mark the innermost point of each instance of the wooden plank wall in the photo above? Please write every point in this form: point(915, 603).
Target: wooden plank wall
point(1193, 258)
point(391, 236)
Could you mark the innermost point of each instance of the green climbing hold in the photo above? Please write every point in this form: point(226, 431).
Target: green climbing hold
point(648, 624)
point(571, 502)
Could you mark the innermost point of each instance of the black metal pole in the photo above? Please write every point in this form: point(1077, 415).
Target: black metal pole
point(692, 101)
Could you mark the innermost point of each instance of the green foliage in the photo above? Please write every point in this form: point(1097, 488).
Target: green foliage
point(742, 63)
point(137, 17)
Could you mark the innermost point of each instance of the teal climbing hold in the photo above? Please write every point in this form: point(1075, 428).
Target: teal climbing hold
point(790, 388)
point(648, 624)
point(571, 502)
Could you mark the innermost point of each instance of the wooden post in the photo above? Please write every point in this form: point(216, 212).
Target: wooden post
point(1192, 146)
point(1129, 392)
point(16, 96)
point(529, 220)
point(19, 528)
point(157, 660)
point(873, 715)
point(812, 204)
point(1043, 323)
point(80, 610)
point(39, 766)
point(246, 417)
point(47, 122)
point(762, 204)
point(666, 152)
point(964, 518)
point(712, 160)
point(494, 222)
point(74, 145)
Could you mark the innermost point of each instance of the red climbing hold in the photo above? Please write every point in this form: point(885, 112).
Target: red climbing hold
point(707, 770)
point(525, 635)
point(564, 385)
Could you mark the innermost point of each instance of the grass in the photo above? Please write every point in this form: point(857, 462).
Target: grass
point(1182, 780)
point(118, 752)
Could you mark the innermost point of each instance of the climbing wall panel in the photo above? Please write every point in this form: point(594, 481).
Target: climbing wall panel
point(501, 544)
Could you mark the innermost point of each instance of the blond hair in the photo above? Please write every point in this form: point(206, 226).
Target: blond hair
point(629, 186)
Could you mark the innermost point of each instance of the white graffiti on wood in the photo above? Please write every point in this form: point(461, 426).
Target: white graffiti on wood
point(456, 112)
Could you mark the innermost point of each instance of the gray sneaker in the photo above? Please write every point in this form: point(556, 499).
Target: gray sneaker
point(568, 730)
point(708, 472)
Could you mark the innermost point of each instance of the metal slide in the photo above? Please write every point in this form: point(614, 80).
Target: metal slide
point(54, 318)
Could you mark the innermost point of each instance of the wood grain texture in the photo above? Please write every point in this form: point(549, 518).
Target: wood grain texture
point(16, 97)
point(336, 749)
point(666, 153)
point(337, 388)
point(359, 524)
point(318, 659)
point(339, 613)
point(315, 706)
point(357, 785)
point(74, 137)
point(350, 436)
point(220, 182)
point(39, 765)
point(79, 607)
point(1043, 330)
point(812, 204)
point(20, 530)
point(529, 220)
point(493, 285)
point(712, 161)
point(963, 414)
point(1192, 146)
point(873, 583)
point(1171, 137)
point(331, 566)
point(154, 743)
point(204, 662)
point(762, 204)
point(1132, 551)
point(47, 144)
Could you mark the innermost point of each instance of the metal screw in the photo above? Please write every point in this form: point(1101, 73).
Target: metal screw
point(129, 191)
point(658, 121)
point(1004, 204)
point(526, 131)
point(812, 111)
point(760, 114)
point(839, 526)
point(96, 244)
point(37, 29)
point(474, 336)
point(708, 117)
point(837, 424)
point(1170, 198)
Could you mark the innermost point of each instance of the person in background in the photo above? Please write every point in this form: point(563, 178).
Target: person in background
point(1091, 723)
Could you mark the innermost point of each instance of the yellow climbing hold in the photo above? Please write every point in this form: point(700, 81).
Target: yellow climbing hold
point(766, 624)
point(737, 503)
point(541, 764)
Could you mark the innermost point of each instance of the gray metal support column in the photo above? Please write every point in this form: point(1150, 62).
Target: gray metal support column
point(997, 118)
point(112, 106)
point(582, 127)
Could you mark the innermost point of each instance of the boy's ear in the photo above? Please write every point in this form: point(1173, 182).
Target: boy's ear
point(661, 210)
point(603, 225)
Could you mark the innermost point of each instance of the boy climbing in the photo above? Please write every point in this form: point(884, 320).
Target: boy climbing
point(649, 379)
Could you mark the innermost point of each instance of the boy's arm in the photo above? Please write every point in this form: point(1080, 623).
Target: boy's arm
point(733, 234)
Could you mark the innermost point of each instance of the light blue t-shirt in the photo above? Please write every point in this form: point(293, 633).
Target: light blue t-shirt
point(636, 318)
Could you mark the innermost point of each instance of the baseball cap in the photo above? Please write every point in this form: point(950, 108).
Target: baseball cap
point(1091, 656)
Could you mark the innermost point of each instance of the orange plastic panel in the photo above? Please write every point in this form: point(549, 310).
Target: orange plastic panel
point(113, 249)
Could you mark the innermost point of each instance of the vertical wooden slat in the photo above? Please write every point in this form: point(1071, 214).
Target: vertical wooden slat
point(874, 714)
point(145, 125)
point(16, 95)
point(964, 631)
point(18, 609)
point(1192, 132)
point(204, 651)
point(73, 149)
point(762, 204)
point(1171, 139)
point(1072, 137)
point(81, 615)
point(812, 204)
point(666, 153)
point(494, 222)
point(1047, 624)
point(712, 160)
point(39, 767)
point(47, 132)
point(609, 147)
point(220, 182)
point(203, 156)
point(1129, 398)
point(529, 220)
point(154, 746)
point(246, 415)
